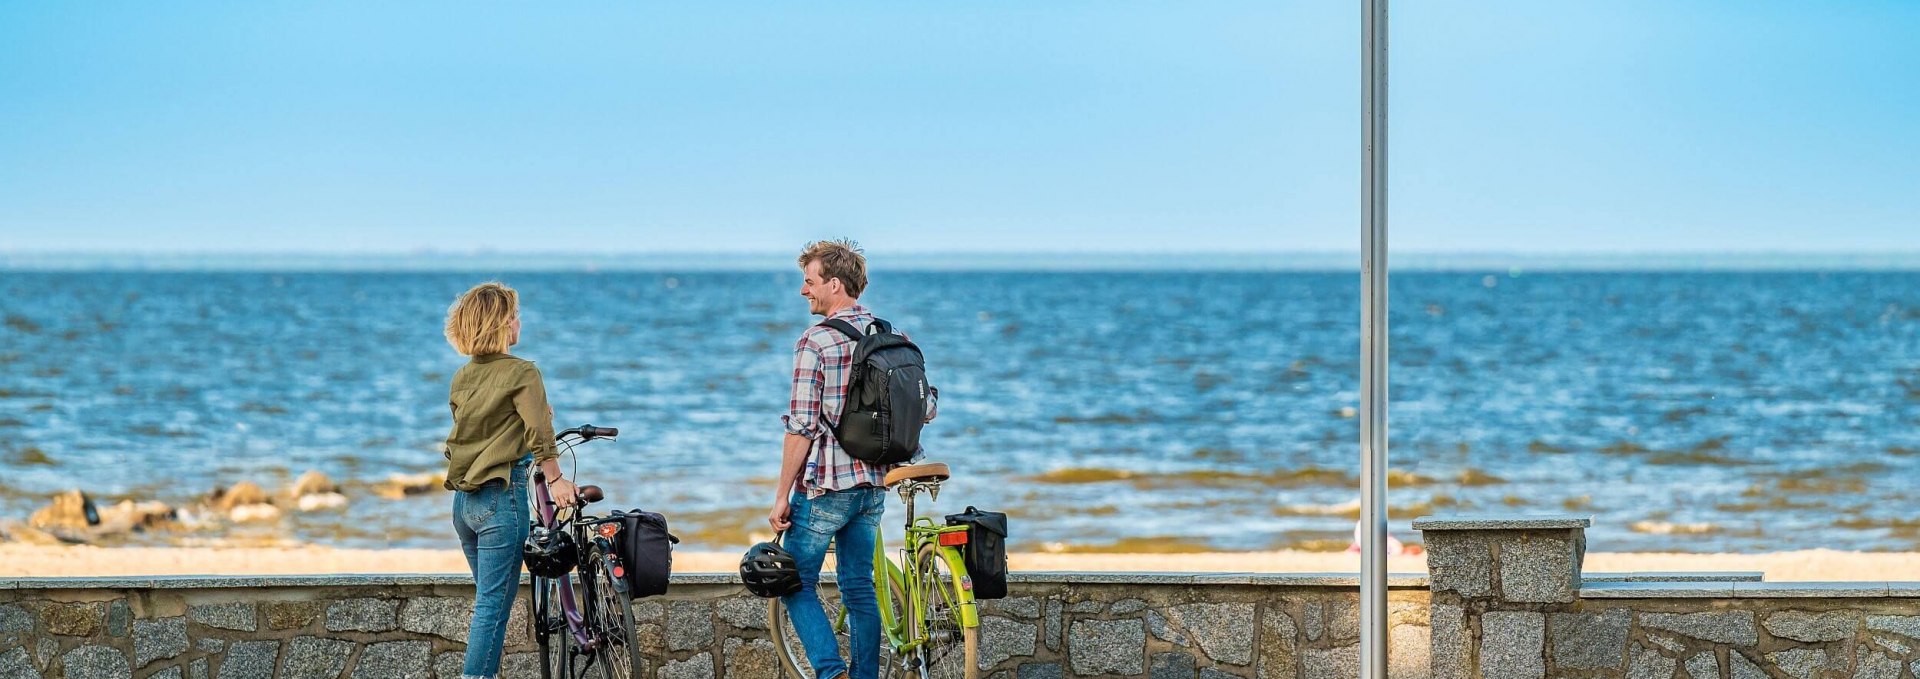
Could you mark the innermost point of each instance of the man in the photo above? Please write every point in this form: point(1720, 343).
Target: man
point(824, 494)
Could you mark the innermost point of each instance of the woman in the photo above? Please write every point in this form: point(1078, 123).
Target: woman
point(501, 425)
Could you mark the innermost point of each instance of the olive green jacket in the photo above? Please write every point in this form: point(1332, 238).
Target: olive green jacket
point(500, 415)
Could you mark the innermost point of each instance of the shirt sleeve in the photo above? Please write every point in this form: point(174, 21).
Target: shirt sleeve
point(809, 382)
point(530, 401)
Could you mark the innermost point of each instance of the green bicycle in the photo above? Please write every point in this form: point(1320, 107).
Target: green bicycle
point(929, 624)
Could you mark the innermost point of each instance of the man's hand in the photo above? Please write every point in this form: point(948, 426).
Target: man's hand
point(563, 492)
point(778, 517)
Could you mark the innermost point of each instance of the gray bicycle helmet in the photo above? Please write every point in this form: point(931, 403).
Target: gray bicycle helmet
point(769, 570)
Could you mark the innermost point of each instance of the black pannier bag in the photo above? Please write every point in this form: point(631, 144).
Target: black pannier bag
point(645, 549)
point(986, 551)
point(887, 395)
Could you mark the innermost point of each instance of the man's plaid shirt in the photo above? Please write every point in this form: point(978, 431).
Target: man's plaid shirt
point(822, 362)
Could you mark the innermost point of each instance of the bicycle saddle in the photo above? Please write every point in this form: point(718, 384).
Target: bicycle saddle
point(931, 471)
point(590, 495)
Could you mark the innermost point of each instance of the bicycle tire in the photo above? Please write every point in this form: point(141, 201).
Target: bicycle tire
point(550, 630)
point(936, 659)
point(792, 657)
point(609, 612)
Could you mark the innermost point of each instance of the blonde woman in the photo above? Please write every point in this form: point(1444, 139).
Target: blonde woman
point(501, 426)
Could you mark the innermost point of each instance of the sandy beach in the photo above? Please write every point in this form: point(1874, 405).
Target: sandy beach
point(18, 560)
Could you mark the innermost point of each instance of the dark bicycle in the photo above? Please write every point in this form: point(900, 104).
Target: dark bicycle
point(584, 626)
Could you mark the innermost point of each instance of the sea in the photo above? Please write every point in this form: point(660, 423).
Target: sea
point(1104, 410)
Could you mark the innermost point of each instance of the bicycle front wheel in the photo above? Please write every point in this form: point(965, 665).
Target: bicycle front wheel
point(952, 649)
point(610, 615)
point(550, 630)
point(792, 655)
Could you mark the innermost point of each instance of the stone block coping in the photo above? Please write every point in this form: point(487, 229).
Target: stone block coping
point(1502, 522)
point(1748, 590)
point(1677, 576)
point(1346, 580)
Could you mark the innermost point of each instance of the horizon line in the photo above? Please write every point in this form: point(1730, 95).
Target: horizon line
point(436, 260)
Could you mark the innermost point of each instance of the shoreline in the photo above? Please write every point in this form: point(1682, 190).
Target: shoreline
point(18, 560)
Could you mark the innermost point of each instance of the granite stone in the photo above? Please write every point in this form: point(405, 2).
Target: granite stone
point(45, 650)
point(1019, 607)
point(1800, 663)
point(451, 664)
point(1340, 662)
point(316, 658)
point(1472, 522)
point(1409, 652)
point(285, 615)
point(1224, 631)
point(1171, 666)
point(250, 660)
point(119, 619)
point(1107, 647)
point(1903, 625)
point(96, 662)
point(1055, 629)
point(1650, 664)
point(1811, 627)
point(697, 667)
point(1460, 563)
point(1451, 641)
point(1086, 607)
point(17, 664)
point(1590, 641)
point(1164, 630)
point(1279, 652)
point(197, 669)
point(689, 626)
point(1002, 639)
point(362, 615)
point(210, 645)
point(1877, 666)
point(157, 639)
point(1672, 645)
point(395, 660)
point(75, 620)
point(1313, 619)
point(1892, 644)
point(1724, 627)
point(237, 616)
point(1343, 618)
point(649, 610)
point(1537, 568)
point(444, 617)
point(742, 612)
point(1511, 644)
point(1040, 670)
point(1217, 673)
point(751, 659)
point(169, 673)
point(15, 624)
point(1706, 666)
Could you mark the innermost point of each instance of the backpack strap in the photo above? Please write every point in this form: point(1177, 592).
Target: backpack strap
point(844, 327)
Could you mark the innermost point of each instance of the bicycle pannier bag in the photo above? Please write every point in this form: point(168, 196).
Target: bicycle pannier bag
point(887, 395)
point(986, 551)
point(645, 549)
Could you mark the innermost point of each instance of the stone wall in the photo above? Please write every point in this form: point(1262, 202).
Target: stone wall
point(1053, 626)
point(1509, 601)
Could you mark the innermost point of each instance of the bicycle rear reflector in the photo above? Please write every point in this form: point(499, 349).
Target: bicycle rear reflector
point(953, 539)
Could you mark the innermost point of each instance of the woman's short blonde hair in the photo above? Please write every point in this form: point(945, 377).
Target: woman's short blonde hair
point(481, 321)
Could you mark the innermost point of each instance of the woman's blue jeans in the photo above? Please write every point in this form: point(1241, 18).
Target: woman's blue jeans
point(850, 519)
point(492, 522)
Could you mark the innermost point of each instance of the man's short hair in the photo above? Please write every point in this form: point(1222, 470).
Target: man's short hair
point(481, 321)
point(840, 259)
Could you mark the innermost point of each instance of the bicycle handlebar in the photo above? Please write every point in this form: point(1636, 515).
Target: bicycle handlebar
point(588, 432)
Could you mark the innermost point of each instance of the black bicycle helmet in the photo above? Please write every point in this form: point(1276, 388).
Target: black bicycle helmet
point(549, 554)
point(769, 570)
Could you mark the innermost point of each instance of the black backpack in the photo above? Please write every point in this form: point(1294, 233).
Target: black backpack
point(887, 395)
point(645, 549)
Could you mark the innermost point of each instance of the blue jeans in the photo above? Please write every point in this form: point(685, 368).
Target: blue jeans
point(492, 522)
point(851, 520)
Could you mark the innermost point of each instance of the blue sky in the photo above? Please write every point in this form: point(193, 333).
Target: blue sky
point(959, 127)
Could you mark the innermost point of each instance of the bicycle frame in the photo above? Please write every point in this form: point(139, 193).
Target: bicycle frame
point(921, 532)
point(569, 609)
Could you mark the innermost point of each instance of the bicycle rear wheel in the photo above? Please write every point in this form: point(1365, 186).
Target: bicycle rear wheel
point(792, 656)
point(952, 650)
point(610, 616)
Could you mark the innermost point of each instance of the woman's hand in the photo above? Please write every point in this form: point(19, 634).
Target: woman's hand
point(563, 492)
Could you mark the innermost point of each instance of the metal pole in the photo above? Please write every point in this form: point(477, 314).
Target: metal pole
point(1373, 345)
